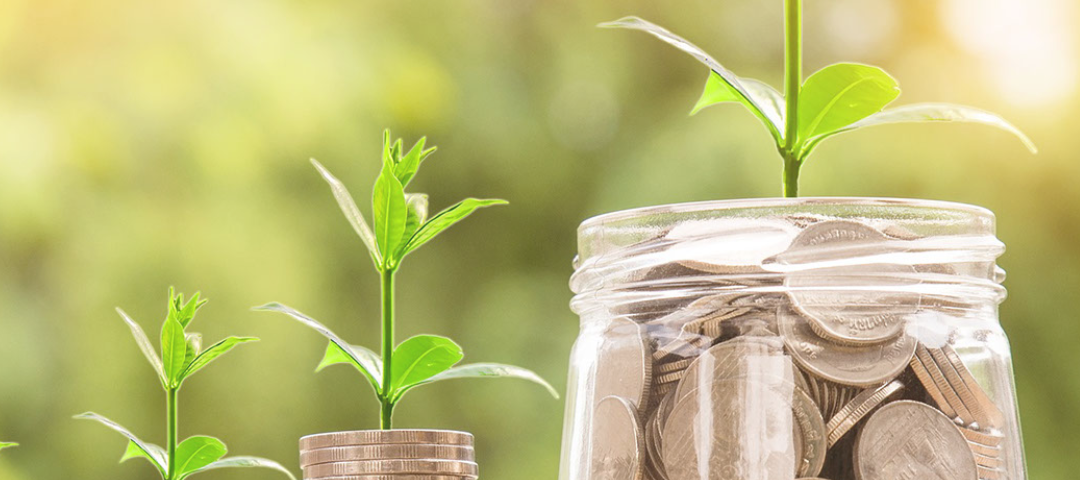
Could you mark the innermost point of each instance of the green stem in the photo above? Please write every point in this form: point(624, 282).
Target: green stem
point(387, 405)
point(792, 84)
point(171, 397)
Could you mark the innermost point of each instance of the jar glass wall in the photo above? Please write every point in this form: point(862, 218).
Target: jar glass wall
point(791, 338)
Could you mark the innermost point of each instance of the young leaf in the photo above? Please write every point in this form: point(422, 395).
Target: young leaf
point(751, 98)
point(149, 450)
point(197, 452)
point(445, 219)
point(769, 100)
point(213, 352)
point(841, 94)
point(419, 358)
point(416, 205)
point(352, 213)
point(488, 370)
point(388, 202)
point(929, 112)
point(410, 163)
point(144, 345)
point(242, 462)
point(4, 445)
point(366, 361)
point(173, 350)
point(194, 345)
point(156, 454)
point(311, 322)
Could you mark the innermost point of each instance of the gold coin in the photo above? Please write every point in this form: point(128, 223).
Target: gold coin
point(379, 437)
point(392, 467)
point(387, 452)
point(858, 408)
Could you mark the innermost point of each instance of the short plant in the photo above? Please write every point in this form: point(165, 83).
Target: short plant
point(181, 357)
point(401, 227)
point(4, 445)
point(838, 98)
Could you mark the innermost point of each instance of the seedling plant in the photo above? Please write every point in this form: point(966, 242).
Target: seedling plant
point(401, 227)
point(181, 357)
point(838, 98)
point(4, 445)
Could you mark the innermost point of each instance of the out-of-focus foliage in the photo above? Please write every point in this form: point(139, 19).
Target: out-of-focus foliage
point(148, 144)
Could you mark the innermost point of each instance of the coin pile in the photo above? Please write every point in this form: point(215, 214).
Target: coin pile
point(389, 455)
point(804, 378)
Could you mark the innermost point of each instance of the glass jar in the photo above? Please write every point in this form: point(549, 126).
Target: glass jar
point(775, 339)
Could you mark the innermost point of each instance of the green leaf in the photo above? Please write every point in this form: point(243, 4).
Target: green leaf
point(416, 205)
point(194, 345)
point(4, 445)
point(366, 361)
point(213, 352)
point(352, 213)
point(445, 219)
point(929, 112)
point(753, 98)
point(841, 94)
point(315, 325)
point(155, 455)
point(197, 452)
point(488, 370)
point(769, 100)
point(410, 163)
point(145, 346)
point(173, 350)
point(388, 202)
point(183, 312)
point(148, 449)
point(245, 462)
point(419, 358)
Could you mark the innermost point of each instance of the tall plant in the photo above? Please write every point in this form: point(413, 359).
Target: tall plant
point(401, 226)
point(181, 357)
point(838, 98)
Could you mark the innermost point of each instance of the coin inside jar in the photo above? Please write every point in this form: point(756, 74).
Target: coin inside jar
point(908, 439)
point(862, 366)
point(617, 441)
point(624, 365)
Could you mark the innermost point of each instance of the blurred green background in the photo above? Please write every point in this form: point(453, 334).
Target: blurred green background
point(148, 144)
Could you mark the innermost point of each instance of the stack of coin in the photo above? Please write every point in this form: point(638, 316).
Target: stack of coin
point(389, 455)
point(778, 352)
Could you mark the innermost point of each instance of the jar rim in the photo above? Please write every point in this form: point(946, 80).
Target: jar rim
point(774, 202)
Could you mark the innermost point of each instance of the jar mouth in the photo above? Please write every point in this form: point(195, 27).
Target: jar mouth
point(934, 248)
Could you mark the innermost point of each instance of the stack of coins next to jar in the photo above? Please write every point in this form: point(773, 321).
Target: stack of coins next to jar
point(389, 455)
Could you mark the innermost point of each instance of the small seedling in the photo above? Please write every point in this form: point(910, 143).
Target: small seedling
point(181, 357)
point(4, 445)
point(401, 227)
point(838, 98)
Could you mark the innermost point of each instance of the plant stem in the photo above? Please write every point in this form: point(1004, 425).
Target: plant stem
point(171, 397)
point(792, 84)
point(387, 406)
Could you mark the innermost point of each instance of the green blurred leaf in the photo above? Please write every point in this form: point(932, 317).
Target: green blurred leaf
point(841, 94)
point(155, 454)
point(421, 357)
point(388, 202)
point(194, 345)
point(364, 360)
point(445, 219)
point(245, 462)
point(352, 213)
point(929, 112)
point(318, 327)
point(490, 370)
point(212, 353)
point(755, 98)
point(147, 449)
point(197, 452)
point(145, 346)
point(4, 445)
point(770, 101)
point(173, 350)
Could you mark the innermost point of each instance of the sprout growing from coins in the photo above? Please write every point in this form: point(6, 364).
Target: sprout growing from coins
point(838, 98)
point(181, 357)
point(401, 227)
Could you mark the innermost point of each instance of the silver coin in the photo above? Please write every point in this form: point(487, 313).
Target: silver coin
point(844, 364)
point(908, 439)
point(387, 452)
point(624, 363)
point(396, 477)
point(392, 467)
point(858, 408)
point(811, 433)
point(379, 437)
point(982, 407)
point(618, 444)
point(725, 360)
